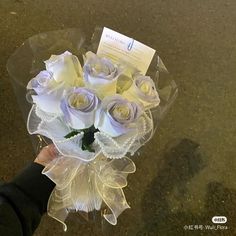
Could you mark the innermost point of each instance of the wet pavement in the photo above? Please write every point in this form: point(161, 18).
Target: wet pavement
point(186, 173)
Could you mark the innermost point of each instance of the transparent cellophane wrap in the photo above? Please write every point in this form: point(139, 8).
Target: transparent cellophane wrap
point(84, 185)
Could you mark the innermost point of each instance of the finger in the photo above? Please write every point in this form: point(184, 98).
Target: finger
point(51, 151)
point(47, 154)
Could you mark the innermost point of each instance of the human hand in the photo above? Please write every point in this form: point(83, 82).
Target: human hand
point(46, 155)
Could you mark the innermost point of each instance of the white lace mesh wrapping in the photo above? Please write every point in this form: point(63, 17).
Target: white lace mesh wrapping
point(55, 128)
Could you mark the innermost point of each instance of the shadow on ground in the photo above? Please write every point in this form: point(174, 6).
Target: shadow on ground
point(180, 164)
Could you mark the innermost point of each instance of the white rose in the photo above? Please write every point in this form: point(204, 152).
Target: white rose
point(117, 115)
point(143, 90)
point(63, 71)
point(65, 67)
point(48, 92)
point(100, 74)
point(79, 106)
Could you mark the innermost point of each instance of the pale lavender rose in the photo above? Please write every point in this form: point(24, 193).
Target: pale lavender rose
point(143, 90)
point(79, 106)
point(117, 115)
point(48, 92)
point(41, 82)
point(65, 67)
point(100, 74)
point(63, 71)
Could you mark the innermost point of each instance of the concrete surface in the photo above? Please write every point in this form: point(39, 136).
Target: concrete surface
point(187, 173)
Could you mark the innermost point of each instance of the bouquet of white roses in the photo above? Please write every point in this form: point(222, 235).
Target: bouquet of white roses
point(95, 112)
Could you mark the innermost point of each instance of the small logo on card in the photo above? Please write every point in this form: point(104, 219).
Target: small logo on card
point(130, 45)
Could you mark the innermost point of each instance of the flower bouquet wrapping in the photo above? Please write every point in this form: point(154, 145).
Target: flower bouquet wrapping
point(96, 109)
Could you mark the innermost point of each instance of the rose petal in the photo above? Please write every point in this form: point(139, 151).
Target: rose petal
point(49, 102)
point(65, 67)
point(42, 82)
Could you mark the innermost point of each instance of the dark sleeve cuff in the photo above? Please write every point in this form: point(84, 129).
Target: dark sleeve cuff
point(35, 185)
point(27, 213)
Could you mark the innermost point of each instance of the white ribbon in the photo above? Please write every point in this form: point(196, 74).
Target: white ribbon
point(83, 186)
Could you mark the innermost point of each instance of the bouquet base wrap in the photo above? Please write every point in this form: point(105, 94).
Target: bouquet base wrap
point(82, 186)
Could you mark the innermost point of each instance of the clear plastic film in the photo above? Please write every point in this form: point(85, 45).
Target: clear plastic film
point(85, 182)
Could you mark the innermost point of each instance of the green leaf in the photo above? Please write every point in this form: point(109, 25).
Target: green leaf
point(71, 134)
point(87, 147)
point(87, 139)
